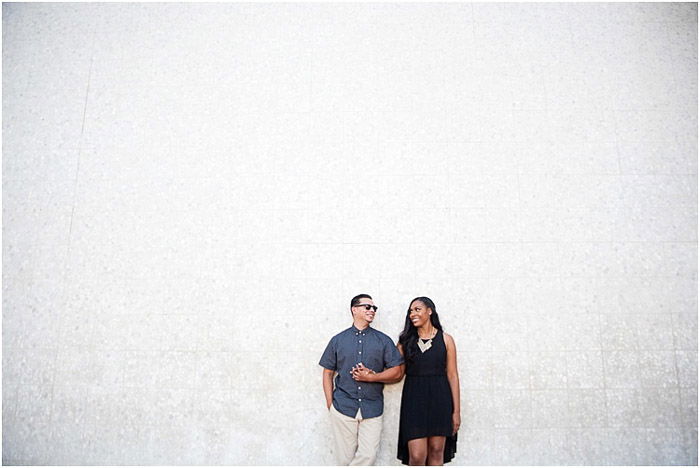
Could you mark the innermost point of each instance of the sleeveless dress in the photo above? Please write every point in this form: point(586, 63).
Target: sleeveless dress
point(426, 401)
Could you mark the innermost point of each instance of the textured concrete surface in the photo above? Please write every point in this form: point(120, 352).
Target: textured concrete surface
point(193, 193)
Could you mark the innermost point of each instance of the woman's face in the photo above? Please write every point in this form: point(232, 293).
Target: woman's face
point(419, 314)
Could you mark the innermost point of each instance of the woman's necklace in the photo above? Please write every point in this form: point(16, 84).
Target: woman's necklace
point(425, 345)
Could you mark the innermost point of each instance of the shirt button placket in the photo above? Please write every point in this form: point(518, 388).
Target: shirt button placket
point(359, 353)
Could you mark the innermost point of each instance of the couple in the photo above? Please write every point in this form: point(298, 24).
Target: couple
point(365, 359)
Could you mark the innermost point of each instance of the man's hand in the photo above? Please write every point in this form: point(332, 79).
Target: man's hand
point(328, 375)
point(362, 373)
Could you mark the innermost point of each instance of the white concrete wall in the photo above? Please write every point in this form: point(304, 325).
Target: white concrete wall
point(193, 193)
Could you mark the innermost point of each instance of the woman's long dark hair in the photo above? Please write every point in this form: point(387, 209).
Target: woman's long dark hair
point(409, 336)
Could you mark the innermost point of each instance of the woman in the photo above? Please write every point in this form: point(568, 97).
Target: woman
point(430, 410)
point(430, 399)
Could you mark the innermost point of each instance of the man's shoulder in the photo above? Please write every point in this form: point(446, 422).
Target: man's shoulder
point(383, 336)
point(341, 333)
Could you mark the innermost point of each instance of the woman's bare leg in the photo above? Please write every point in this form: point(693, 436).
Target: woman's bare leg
point(436, 450)
point(418, 451)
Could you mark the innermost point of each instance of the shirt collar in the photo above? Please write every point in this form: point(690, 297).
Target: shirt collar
point(355, 330)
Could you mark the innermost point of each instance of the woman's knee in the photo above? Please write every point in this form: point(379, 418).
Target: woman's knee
point(436, 448)
point(417, 452)
point(418, 455)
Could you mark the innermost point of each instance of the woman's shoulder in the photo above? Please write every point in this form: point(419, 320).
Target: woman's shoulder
point(448, 338)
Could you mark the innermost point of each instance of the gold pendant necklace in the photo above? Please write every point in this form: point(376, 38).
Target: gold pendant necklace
point(425, 345)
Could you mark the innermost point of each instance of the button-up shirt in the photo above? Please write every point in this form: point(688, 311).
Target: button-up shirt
point(374, 350)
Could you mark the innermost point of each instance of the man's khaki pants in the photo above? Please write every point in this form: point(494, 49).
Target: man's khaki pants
point(356, 439)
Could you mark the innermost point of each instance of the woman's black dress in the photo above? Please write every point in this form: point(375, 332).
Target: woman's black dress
point(426, 401)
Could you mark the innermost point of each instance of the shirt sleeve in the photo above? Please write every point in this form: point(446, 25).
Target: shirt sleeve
point(329, 359)
point(392, 356)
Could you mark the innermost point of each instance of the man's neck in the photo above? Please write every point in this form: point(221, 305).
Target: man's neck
point(360, 325)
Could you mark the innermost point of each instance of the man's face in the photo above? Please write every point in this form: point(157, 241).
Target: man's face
point(360, 311)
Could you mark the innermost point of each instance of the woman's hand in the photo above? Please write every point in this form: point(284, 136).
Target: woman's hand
point(362, 374)
point(456, 422)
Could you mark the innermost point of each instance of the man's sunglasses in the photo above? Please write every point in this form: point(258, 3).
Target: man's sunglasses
point(368, 306)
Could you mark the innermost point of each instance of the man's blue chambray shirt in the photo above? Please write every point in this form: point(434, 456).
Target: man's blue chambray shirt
point(374, 350)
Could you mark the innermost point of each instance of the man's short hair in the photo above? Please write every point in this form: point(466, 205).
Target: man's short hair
point(356, 300)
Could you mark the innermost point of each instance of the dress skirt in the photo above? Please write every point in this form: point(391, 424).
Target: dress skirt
point(426, 411)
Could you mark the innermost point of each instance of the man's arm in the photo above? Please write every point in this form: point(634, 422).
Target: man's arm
point(388, 376)
point(328, 386)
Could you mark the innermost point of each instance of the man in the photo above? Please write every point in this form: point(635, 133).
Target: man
point(356, 408)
